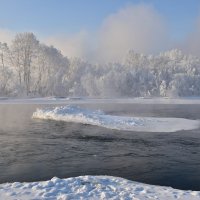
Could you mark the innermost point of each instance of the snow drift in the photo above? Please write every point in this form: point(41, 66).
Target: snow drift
point(92, 187)
point(149, 124)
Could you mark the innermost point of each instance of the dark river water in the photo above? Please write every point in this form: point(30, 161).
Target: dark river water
point(34, 150)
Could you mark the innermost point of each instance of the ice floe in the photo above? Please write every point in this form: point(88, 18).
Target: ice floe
point(76, 114)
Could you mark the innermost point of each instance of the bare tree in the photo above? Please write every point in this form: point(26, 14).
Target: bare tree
point(24, 50)
point(4, 71)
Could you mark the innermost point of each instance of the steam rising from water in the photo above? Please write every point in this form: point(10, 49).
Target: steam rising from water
point(137, 27)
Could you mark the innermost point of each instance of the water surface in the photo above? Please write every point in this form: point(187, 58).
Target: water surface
point(34, 150)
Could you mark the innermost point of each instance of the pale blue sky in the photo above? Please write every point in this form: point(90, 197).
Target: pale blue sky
point(49, 17)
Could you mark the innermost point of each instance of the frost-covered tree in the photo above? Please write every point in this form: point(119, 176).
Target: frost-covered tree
point(39, 69)
point(30, 68)
point(163, 88)
point(50, 72)
point(24, 50)
point(5, 71)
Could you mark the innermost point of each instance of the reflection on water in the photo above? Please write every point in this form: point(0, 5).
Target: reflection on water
point(32, 149)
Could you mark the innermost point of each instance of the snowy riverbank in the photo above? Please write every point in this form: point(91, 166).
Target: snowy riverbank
point(92, 187)
point(84, 100)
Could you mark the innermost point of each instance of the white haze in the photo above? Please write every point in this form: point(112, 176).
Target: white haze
point(6, 35)
point(137, 27)
point(114, 61)
point(76, 45)
point(192, 43)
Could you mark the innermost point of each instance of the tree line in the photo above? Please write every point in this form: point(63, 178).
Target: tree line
point(30, 68)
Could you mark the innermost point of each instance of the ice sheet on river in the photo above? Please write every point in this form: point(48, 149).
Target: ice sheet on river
point(147, 124)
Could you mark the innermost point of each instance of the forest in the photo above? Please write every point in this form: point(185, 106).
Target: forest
point(29, 68)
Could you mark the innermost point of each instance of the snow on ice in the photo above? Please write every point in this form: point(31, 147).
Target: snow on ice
point(148, 124)
point(92, 188)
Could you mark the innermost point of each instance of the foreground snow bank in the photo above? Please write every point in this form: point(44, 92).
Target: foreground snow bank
point(79, 115)
point(92, 187)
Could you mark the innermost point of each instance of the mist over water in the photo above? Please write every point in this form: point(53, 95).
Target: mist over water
point(33, 149)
